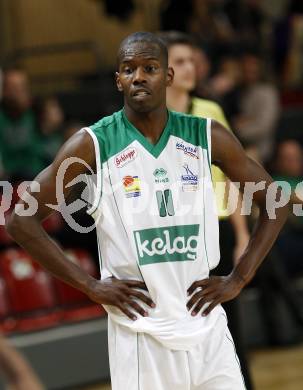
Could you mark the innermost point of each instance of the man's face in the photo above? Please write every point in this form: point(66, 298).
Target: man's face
point(202, 65)
point(251, 69)
point(290, 161)
point(16, 92)
point(143, 76)
point(181, 59)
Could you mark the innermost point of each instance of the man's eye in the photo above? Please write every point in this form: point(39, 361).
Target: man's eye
point(127, 70)
point(151, 68)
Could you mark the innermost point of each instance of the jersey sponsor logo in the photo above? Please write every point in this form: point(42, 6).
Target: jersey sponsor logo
point(189, 150)
point(189, 180)
point(165, 203)
point(131, 186)
point(160, 175)
point(167, 244)
point(125, 157)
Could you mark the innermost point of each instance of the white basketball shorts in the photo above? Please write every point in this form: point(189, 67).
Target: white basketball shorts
point(140, 362)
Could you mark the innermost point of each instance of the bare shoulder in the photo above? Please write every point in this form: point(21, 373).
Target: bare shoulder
point(225, 146)
point(80, 146)
point(229, 155)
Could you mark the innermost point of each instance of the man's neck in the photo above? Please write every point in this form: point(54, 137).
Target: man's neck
point(178, 100)
point(150, 124)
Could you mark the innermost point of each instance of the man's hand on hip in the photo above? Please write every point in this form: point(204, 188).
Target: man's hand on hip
point(120, 293)
point(214, 290)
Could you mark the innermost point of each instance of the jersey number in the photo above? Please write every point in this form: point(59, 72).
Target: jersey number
point(165, 203)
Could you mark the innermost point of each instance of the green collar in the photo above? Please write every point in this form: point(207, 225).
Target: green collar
point(154, 149)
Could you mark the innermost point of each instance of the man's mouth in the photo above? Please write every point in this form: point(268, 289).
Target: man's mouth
point(141, 93)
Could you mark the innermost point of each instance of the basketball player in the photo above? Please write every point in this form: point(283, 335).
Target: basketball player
point(157, 231)
point(233, 231)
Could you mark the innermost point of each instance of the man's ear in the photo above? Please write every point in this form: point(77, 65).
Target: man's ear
point(118, 83)
point(170, 76)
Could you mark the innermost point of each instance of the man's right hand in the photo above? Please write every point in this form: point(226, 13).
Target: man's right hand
point(120, 293)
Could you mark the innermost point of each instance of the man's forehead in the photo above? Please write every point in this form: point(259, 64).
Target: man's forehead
point(140, 49)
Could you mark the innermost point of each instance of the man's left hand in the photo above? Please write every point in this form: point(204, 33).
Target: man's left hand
point(214, 290)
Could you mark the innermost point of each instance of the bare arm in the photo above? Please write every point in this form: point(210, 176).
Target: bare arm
point(16, 370)
point(29, 234)
point(241, 230)
point(229, 155)
point(28, 231)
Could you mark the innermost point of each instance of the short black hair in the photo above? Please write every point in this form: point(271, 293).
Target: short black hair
point(144, 37)
point(173, 37)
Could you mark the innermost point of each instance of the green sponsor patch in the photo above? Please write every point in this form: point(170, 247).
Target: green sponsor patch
point(160, 175)
point(172, 243)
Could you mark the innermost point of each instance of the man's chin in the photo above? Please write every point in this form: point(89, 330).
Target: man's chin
point(141, 106)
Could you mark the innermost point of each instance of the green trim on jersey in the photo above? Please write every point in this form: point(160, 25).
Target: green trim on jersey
point(208, 154)
point(190, 129)
point(115, 133)
point(154, 149)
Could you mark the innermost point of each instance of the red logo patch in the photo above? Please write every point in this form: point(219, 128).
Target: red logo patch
point(125, 157)
point(128, 181)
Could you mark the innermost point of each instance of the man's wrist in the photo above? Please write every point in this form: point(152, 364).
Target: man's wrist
point(239, 277)
point(88, 285)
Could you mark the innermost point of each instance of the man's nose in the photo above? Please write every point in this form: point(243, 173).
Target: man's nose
point(139, 76)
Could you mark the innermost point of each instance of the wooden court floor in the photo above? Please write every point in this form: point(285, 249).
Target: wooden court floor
point(274, 369)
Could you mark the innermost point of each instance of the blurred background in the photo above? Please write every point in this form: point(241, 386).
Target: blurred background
point(57, 63)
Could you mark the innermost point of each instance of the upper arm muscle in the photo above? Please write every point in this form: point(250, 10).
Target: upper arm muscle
point(229, 155)
point(77, 156)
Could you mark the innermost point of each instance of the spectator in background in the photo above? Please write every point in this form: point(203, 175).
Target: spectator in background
point(293, 65)
point(71, 128)
point(224, 85)
point(274, 278)
point(246, 20)
point(51, 125)
point(203, 66)
point(205, 25)
point(288, 168)
point(226, 27)
point(288, 42)
point(176, 13)
point(17, 372)
point(19, 137)
point(234, 235)
point(288, 164)
point(258, 109)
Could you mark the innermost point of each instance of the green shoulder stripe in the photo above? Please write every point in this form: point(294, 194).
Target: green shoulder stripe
point(115, 133)
point(190, 128)
point(112, 135)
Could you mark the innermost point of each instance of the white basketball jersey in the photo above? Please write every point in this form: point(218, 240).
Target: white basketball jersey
point(156, 220)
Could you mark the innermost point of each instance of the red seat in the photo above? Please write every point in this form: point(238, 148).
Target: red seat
point(7, 323)
point(4, 308)
point(30, 291)
point(68, 295)
point(77, 305)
